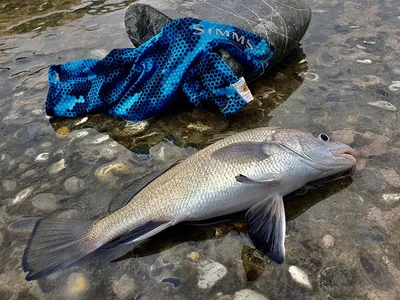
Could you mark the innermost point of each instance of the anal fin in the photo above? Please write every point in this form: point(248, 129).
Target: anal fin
point(266, 226)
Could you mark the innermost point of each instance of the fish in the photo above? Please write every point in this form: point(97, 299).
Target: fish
point(251, 170)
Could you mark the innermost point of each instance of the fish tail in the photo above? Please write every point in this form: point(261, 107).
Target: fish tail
point(56, 243)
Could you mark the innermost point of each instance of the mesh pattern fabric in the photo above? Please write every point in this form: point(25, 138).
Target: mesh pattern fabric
point(140, 83)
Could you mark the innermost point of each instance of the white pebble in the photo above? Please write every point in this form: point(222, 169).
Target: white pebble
point(361, 47)
point(369, 42)
point(299, 276)
point(364, 61)
point(391, 198)
point(57, 167)
point(19, 94)
point(209, 273)
point(395, 86)
point(311, 76)
point(248, 294)
point(82, 121)
point(22, 195)
point(303, 61)
point(327, 242)
point(101, 139)
point(384, 105)
point(42, 157)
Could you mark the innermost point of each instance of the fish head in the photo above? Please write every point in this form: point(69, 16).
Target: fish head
point(318, 151)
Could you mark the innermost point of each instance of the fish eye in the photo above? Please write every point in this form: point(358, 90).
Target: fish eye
point(324, 137)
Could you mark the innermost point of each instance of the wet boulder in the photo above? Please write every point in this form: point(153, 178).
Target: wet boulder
point(282, 23)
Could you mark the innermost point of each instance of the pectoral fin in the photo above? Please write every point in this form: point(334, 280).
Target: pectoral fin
point(266, 225)
point(264, 182)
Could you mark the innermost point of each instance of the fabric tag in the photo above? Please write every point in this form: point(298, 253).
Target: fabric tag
point(244, 91)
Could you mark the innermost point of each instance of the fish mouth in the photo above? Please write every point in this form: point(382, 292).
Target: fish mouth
point(346, 153)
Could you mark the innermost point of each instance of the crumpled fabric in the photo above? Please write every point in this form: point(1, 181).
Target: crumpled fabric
point(178, 64)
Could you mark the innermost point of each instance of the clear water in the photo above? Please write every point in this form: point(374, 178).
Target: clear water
point(343, 236)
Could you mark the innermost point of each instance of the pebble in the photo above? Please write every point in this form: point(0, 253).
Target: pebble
point(42, 157)
point(24, 225)
point(30, 152)
point(74, 185)
point(351, 119)
point(22, 195)
point(77, 284)
point(136, 127)
point(361, 47)
point(9, 185)
point(391, 177)
point(311, 76)
point(28, 174)
point(124, 288)
point(327, 242)
point(57, 167)
point(369, 42)
point(248, 294)
point(194, 256)
point(299, 276)
point(361, 163)
point(45, 201)
point(391, 198)
point(108, 153)
point(83, 120)
point(210, 272)
point(104, 172)
point(384, 105)
point(101, 139)
point(364, 61)
point(46, 145)
point(395, 86)
point(199, 127)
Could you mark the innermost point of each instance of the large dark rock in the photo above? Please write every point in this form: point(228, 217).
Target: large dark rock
point(283, 23)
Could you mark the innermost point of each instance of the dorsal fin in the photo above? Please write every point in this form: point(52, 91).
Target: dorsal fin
point(127, 194)
point(220, 136)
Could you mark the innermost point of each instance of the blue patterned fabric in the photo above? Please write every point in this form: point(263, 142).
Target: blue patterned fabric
point(179, 63)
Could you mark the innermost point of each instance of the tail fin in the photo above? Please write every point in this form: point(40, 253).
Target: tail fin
point(56, 243)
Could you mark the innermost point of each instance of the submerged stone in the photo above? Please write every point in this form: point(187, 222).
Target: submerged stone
point(210, 272)
point(282, 23)
point(73, 184)
point(124, 287)
point(300, 276)
point(248, 294)
point(45, 201)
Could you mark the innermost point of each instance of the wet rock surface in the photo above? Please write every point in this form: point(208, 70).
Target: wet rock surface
point(343, 236)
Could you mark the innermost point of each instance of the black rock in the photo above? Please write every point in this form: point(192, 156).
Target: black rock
point(282, 23)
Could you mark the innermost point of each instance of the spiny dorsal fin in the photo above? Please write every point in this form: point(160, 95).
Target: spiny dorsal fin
point(220, 136)
point(127, 194)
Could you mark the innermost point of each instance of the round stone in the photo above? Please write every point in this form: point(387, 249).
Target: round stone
point(74, 185)
point(124, 288)
point(300, 276)
point(327, 242)
point(77, 284)
point(9, 185)
point(45, 201)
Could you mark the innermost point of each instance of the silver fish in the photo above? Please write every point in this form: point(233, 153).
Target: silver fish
point(250, 170)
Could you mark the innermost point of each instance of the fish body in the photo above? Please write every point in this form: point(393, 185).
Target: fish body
point(251, 170)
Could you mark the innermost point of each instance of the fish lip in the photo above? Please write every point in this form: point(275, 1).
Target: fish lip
point(346, 153)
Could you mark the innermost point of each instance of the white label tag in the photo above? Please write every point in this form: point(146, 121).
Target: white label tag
point(243, 90)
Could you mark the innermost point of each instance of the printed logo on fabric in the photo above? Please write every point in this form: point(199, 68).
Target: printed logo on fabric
point(200, 29)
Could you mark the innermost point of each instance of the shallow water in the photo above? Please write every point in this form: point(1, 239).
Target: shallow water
point(342, 240)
